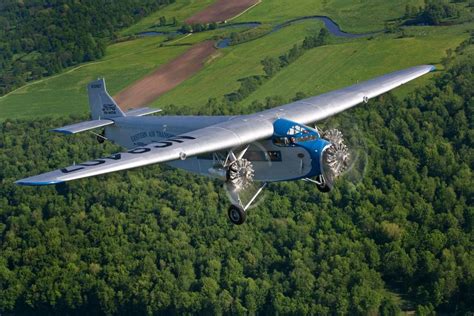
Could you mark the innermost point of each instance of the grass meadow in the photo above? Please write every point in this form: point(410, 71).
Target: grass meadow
point(352, 16)
point(319, 70)
point(343, 62)
point(181, 10)
point(335, 66)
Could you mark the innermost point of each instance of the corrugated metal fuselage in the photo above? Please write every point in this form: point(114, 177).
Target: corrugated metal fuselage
point(270, 162)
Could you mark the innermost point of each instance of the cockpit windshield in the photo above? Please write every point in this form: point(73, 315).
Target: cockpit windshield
point(288, 133)
point(300, 138)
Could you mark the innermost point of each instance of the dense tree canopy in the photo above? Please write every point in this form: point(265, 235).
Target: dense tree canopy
point(157, 240)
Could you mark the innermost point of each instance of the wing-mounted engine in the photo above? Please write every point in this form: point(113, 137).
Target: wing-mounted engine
point(239, 180)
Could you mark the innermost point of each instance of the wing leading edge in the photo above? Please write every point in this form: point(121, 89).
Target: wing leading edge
point(236, 132)
point(317, 108)
point(224, 135)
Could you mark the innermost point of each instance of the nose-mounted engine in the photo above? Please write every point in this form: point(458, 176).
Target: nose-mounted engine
point(335, 158)
point(330, 156)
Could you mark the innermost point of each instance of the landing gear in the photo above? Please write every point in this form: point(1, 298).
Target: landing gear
point(238, 210)
point(241, 189)
point(236, 214)
point(100, 137)
point(322, 185)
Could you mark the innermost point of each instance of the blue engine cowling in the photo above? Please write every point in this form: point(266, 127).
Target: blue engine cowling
point(289, 133)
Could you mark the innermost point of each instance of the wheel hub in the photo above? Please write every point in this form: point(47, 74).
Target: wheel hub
point(234, 214)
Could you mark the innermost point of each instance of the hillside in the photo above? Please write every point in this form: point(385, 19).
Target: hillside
point(39, 39)
point(127, 62)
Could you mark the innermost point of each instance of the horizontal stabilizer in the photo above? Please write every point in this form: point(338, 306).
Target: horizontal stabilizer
point(83, 126)
point(142, 112)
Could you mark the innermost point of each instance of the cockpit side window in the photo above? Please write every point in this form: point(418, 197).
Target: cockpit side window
point(281, 141)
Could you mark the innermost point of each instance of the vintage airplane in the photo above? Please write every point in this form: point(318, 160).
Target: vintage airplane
point(272, 145)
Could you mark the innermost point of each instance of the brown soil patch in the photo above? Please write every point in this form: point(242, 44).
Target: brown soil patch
point(165, 78)
point(220, 11)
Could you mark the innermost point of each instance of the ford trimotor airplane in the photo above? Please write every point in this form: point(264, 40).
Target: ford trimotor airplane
point(226, 146)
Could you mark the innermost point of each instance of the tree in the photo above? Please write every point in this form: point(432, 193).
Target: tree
point(162, 21)
point(270, 66)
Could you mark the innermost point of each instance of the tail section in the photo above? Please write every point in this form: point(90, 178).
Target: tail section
point(101, 103)
point(103, 110)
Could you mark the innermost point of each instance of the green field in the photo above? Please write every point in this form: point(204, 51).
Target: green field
point(318, 70)
point(352, 16)
point(342, 63)
point(335, 66)
point(65, 93)
point(222, 75)
point(181, 10)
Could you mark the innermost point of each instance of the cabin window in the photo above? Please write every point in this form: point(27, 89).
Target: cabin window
point(271, 155)
point(281, 141)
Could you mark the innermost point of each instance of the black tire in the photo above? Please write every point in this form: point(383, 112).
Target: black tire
point(323, 188)
point(236, 214)
point(100, 138)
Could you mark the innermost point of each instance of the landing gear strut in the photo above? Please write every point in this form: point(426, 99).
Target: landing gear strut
point(321, 184)
point(237, 212)
point(238, 184)
point(100, 137)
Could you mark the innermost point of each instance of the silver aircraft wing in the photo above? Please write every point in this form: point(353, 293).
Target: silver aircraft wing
point(328, 104)
point(235, 133)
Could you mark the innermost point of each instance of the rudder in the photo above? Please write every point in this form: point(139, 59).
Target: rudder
point(101, 103)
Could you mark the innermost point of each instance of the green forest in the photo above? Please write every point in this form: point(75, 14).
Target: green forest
point(156, 240)
point(41, 38)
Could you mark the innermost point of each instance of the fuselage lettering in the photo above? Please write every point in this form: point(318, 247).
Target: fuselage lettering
point(163, 144)
point(140, 150)
point(135, 151)
point(65, 170)
point(91, 163)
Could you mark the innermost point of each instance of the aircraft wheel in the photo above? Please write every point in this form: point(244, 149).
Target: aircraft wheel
point(322, 185)
point(323, 188)
point(236, 214)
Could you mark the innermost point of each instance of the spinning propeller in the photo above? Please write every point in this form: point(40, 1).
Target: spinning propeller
point(347, 156)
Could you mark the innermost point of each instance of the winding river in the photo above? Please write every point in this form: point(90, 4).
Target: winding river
point(332, 27)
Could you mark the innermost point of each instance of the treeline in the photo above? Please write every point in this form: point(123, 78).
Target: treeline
point(157, 241)
point(39, 38)
point(434, 12)
point(248, 35)
point(198, 27)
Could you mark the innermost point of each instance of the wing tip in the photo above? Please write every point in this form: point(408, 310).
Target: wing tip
point(26, 182)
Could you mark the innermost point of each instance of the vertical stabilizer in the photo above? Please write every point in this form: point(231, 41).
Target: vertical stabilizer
point(101, 103)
